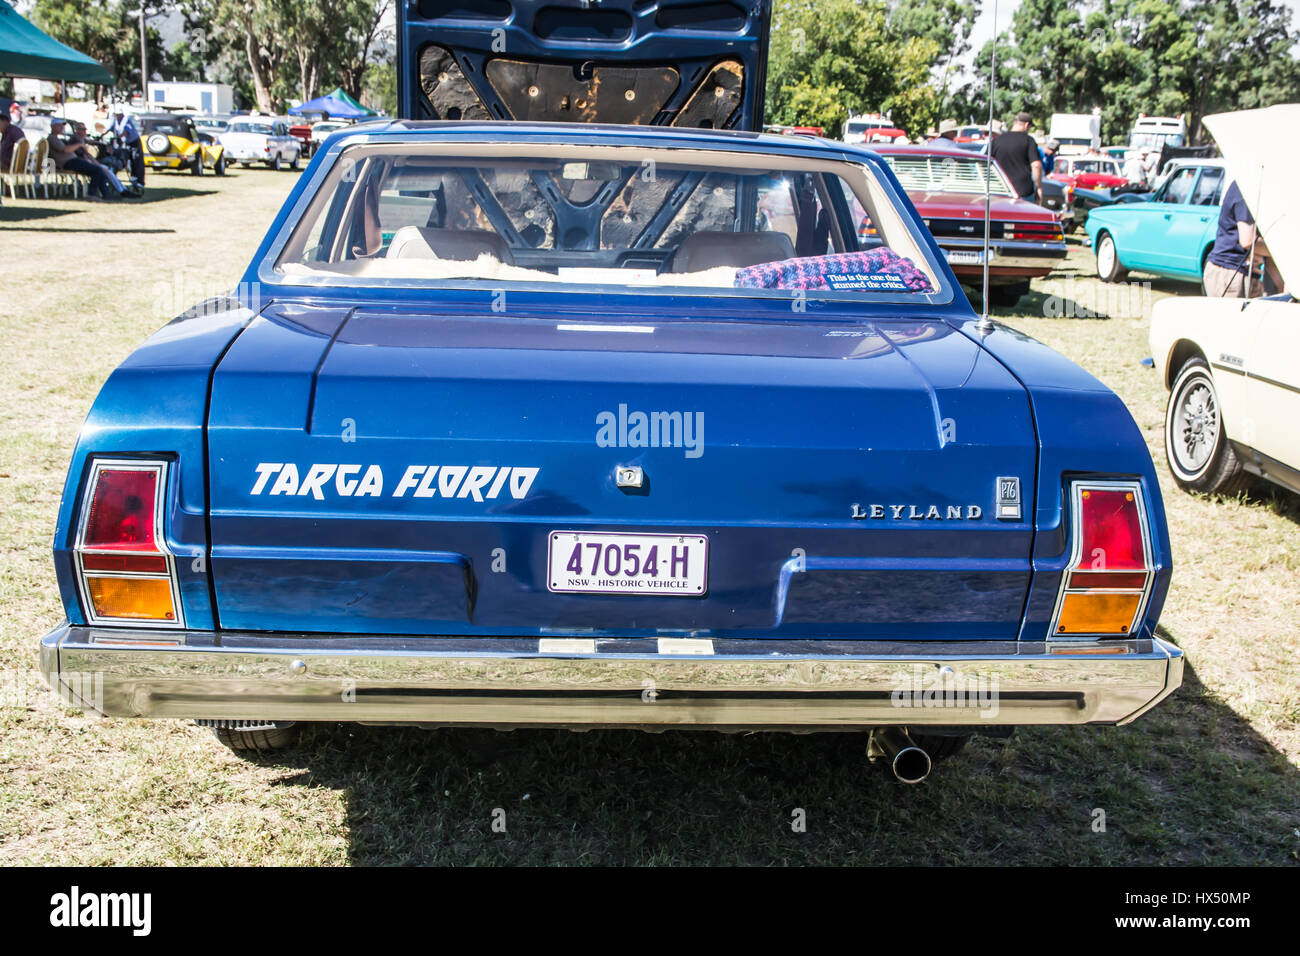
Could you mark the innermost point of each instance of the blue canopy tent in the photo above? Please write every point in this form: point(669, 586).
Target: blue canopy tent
point(337, 104)
point(26, 51)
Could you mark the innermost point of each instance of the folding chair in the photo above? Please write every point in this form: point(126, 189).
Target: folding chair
point(17, 175)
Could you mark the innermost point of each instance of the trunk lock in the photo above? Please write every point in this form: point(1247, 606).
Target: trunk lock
point(629, 476)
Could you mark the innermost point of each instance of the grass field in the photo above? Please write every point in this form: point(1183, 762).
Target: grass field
point(1210, 777)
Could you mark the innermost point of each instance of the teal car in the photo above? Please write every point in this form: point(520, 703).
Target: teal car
point(1170, 234)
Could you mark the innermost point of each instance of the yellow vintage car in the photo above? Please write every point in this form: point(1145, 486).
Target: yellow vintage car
point(171, 142)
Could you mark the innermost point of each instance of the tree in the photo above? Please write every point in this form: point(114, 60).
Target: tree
point(292, 49)
point(947, 22)
point(359, 34)
point(108, 32)
point(829, 59)
point(310, 32)
point(379, 90)
point(1127, 57)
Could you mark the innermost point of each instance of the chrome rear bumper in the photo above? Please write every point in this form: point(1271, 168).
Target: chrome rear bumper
point(511, 682)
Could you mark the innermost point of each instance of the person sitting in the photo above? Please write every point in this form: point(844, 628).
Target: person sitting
point(10, 136)
point(79, 142)
point(67, 157)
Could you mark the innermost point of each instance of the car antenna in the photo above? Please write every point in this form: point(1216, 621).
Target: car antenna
point(1250, 256)
point(985, 323)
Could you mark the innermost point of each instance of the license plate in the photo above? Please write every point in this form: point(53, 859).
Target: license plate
point(668, 565)
point(965, 257)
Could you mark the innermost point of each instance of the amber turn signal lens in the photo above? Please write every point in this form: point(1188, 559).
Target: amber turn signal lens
point(142, 599)
point(1097, 613)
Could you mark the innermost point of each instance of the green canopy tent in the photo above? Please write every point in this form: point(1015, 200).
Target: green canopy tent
point(26, 51)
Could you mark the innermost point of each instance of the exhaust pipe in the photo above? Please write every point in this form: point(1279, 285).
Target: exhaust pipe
point(910, 763)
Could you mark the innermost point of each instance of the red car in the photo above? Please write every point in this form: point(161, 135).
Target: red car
point(302, 133)
point(1088, 172)
point(947, 187)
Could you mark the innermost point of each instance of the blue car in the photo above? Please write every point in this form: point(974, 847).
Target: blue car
point(515, 422)
point(1170, 235)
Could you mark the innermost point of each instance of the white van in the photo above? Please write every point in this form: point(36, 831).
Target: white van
point(856, 128)
point(1155, 131)
point(1076, 132)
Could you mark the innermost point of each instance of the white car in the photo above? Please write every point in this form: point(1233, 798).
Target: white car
point(261, 139)
point(320, 131)
point(1233, 365)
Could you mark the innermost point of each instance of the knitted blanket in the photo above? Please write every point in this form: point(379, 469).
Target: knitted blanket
point(876, 270)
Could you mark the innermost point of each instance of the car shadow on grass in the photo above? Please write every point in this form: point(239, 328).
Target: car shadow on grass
point(1189, 783)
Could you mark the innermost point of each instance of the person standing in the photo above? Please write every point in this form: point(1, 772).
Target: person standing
point(1231, 257)
point(1047, 153)
point(128, 137)
point(1135, 171)
point(947, 135)
point(1017, 154)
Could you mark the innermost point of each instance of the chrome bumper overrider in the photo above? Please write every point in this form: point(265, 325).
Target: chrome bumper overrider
point(741, 684)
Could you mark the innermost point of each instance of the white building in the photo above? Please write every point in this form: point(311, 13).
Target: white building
point(202, 97)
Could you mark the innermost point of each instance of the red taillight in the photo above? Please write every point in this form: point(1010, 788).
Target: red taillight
point(126, 572)
point(1105, 586)
point(122, 510)
point(1034, 231)
point(1111, 529)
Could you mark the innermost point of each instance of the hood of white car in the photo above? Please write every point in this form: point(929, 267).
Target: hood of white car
point(1259, 149)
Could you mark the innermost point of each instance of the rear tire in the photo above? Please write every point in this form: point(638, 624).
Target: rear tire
point(220, 168)
point(275, 164)
point(253, 742)
point(294, 165)
point(1108, 264)
point(1197, 449)
point(197, 168)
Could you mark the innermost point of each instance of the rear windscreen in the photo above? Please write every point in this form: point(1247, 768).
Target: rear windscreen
point(608, 216)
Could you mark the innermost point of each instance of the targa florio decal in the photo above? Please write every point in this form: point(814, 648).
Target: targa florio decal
point(476, 482)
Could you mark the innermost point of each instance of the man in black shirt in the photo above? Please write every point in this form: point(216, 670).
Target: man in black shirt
point(1017, 154)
